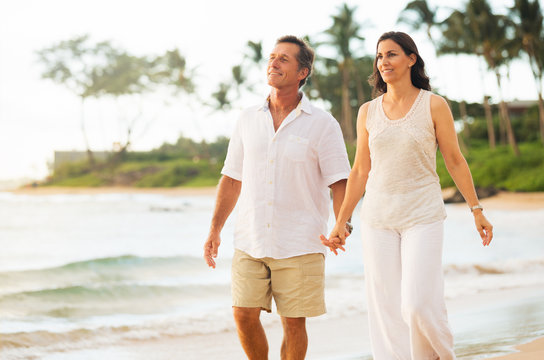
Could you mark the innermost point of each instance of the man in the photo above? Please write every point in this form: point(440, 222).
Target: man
point(282, 159)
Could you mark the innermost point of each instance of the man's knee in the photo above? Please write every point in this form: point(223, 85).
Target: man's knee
point(294, 324)
point(246, 316)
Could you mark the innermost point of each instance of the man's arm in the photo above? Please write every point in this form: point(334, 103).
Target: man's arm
point(338, 190)
point(227, 196)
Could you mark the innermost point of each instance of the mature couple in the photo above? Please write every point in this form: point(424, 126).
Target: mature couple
point(284, 159)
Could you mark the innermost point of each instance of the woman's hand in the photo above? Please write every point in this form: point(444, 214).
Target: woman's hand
point(337, 238)
point(484, 227)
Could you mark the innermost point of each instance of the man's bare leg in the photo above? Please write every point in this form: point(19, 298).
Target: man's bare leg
point(295, 339)
point(251, 332)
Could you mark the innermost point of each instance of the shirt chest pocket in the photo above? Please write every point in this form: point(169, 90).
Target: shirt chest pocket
point(296, 148)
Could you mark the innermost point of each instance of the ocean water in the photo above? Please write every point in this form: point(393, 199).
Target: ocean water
point(90, 271)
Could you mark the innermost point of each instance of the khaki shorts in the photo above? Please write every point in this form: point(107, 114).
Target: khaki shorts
point(297, 284)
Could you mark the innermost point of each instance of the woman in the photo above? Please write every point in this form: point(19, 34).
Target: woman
point(403, 212)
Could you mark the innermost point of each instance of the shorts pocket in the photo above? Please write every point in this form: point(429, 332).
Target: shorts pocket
point(314, 265)
point(313, 294)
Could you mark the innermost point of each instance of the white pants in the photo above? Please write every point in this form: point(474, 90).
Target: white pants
point(405, 292)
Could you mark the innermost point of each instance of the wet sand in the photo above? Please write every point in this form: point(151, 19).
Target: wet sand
point(533, 350)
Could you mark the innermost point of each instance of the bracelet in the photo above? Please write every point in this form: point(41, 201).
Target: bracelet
point(476, 207)
point(349, 227)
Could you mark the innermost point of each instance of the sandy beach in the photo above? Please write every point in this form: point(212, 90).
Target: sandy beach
point(533, 350)
point(345, 337)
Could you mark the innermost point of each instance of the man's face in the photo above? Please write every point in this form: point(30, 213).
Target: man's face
point(282, 70)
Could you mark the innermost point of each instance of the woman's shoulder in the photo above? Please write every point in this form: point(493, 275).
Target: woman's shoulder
point(440, 108)
point(437, 101)
point(364, 108)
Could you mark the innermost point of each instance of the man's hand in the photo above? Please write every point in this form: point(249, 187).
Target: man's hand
point(210, 248)
point(333, 243)
point(337, 239)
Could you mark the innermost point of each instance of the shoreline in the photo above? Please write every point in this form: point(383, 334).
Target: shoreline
point(504, 200)
point(533, 350)
point(61, 190)
point(347, 337)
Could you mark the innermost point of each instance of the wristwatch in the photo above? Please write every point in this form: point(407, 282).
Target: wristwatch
point(476, 207)
point(349, 227)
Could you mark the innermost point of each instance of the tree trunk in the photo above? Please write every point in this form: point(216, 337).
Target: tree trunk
point(502, 128)
point(509, 130)
point(489, 120)
point(347, 127)
point(358, 85)
point(463, 111)
point(90, 155)
point(537, 74)
point(506, 118)
point(541, 115)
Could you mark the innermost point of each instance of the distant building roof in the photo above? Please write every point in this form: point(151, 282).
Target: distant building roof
point(62, 157)
point(520, 106)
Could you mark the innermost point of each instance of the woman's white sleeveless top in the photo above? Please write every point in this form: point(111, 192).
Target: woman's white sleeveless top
point(403, 188)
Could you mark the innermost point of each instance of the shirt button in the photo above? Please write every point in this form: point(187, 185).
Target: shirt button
point(271, 161)
point(268, 225)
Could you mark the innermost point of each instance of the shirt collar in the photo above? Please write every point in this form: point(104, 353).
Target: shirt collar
point(303, 105)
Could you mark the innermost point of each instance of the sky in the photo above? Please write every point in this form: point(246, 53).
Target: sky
point(38, 116)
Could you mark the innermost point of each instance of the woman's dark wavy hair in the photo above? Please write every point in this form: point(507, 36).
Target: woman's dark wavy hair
point(417, 72)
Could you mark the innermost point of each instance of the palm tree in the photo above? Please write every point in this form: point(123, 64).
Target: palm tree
point(530, 30)
point(497, 49)
point(239, 77)
point(418, 13)
point(255, 52)
point(221, 97)
point(343, 31)
point(478, 31)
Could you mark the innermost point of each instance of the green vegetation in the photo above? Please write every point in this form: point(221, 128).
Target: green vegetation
point(500, 168)
point(174, 165)
point(503, 147)
point(185, 163)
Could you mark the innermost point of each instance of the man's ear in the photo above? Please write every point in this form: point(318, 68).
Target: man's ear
point(303, 73)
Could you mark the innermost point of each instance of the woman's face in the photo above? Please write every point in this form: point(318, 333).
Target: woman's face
point(392, 62)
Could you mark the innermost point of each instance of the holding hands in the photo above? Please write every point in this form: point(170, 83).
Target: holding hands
point(337, 237)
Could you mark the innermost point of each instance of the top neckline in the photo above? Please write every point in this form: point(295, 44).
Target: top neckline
point(412, 108)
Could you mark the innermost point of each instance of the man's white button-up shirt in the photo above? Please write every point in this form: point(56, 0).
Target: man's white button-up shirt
point(284, 202)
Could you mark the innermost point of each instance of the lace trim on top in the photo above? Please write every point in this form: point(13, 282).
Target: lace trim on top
point(408, 114)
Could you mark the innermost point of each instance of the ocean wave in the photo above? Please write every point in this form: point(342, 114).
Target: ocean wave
point(124, 284)
point(25, 344)
point(85, 301)
point(123, 260)
point(511, 266)
point(470, 279)
point(107, 270)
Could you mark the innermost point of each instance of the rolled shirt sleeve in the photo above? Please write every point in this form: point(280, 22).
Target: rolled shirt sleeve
point(233, 165)
point(333, 159)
